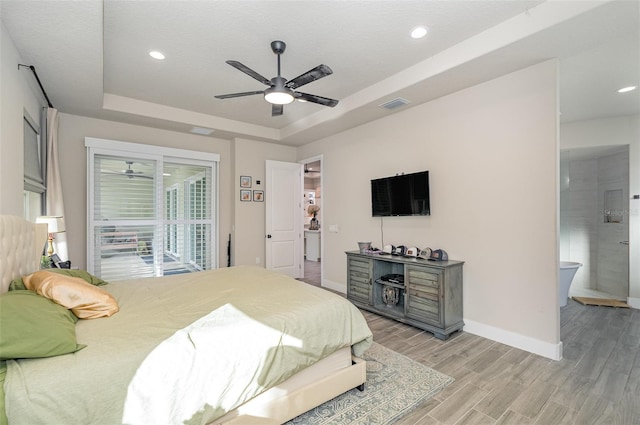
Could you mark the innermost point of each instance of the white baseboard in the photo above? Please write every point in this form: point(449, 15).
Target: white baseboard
point(334, 286)
point(535, 346)
point(634, 302)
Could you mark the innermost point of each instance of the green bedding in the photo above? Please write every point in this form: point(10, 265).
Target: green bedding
point(255, 328)
point(3, 374)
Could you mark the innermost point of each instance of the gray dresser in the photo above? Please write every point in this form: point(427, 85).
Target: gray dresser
point(430, 297)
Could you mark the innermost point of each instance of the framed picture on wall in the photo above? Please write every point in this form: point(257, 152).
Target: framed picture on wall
point(258, 195)
point(245, 195)
point(245, 181)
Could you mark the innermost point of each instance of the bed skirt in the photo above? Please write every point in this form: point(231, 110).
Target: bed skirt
point(300, 393)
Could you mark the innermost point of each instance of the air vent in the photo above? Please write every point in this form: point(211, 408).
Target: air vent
point(395, 103)
point(202, 131)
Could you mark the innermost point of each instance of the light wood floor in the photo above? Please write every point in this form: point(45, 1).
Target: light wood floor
point(312, 273)
point(597, 382)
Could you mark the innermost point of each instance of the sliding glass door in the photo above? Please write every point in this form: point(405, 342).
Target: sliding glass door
point(150, 214)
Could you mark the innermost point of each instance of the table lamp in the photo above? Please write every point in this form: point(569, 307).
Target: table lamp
point(55, 224)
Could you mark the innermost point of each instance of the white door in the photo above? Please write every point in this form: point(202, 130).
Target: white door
point(283, 202)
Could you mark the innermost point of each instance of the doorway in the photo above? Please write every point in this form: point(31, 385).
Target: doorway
point(594, 220)
point(312, 220)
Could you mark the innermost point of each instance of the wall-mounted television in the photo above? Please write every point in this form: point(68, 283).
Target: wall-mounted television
point(401, 195)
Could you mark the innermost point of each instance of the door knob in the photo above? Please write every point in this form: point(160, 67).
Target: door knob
point(268, 236)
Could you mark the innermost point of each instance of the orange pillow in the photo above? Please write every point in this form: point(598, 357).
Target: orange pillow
point(83, 299)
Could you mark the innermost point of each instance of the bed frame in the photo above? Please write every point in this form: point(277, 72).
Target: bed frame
point(21, 244)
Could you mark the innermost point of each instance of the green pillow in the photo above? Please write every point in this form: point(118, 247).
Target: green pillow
point(33, 326)
point(17, 283)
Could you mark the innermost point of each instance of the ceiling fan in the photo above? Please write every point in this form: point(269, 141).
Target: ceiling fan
point(130, 173)
point(311, 172)
point(282, 91)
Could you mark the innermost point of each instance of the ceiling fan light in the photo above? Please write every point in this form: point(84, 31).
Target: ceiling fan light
point(277, 97)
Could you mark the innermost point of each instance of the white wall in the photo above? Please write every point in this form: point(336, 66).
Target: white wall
point(248, 242)
point(579, 214)
point(623, 130)
point(492, 154)
point(17, 95)
point(73, 165)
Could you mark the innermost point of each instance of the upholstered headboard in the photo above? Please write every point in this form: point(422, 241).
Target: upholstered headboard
point(21, 244)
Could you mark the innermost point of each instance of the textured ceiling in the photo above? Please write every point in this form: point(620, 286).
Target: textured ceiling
point(92, 57)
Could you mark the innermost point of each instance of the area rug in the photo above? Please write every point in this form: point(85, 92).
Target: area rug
point(395, 386)
point(604, 302)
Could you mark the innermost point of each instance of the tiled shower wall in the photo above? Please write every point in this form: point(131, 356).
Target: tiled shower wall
point(585, 237)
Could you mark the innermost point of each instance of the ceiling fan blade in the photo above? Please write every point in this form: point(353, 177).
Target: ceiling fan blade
point(250, 72)
point(276, 110)
point(246, 93)
point(316, 99)
point(137, 175)
point(309, 76)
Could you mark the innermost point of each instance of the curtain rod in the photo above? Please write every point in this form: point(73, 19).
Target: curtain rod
point(35, 74)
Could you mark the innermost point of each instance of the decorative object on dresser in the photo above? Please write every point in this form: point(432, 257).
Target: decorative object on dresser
point(423, 293)
point(364, 246)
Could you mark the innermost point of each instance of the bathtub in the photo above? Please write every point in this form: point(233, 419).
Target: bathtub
point(568, 269)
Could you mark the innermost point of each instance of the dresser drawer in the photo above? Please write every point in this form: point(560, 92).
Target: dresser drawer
point(423, 282)
point(423, 294)
point(424, 277)
point(359, 267)
point(423, 309)
point(359, 279)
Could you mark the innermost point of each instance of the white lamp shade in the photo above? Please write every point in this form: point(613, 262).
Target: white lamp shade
point(55, 224)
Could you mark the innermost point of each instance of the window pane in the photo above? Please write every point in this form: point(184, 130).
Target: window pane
point(32, 163)
point(125, 189)
point(32, 205)
point(187, 213)
point(124, 252)
point(144, 227)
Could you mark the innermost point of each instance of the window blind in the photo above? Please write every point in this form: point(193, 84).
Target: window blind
point(33, 176)
point(151, 217)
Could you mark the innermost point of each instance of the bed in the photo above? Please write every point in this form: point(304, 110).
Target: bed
point(234, 345)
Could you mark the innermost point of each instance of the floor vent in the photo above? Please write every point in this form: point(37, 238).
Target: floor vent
point(395, 103)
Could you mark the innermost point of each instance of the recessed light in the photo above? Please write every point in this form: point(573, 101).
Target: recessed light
point(156, 55)
point(419, 32)
point(627, 89)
